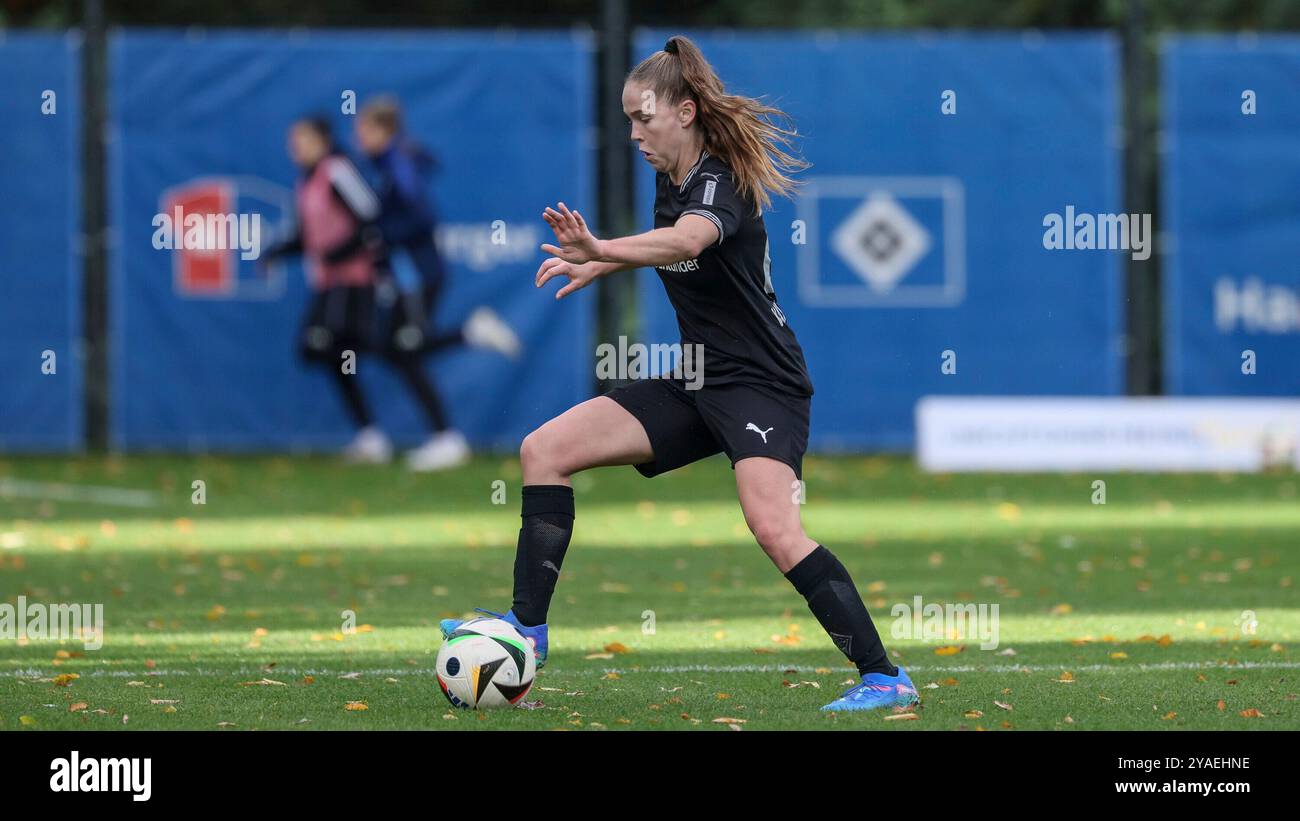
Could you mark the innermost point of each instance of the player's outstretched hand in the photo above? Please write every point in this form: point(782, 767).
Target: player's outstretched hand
point(576, 242)
point(580, 276)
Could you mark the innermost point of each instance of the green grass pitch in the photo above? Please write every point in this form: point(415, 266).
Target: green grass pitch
point(1123, 615)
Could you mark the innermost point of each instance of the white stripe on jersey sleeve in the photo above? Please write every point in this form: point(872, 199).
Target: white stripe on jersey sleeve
point(354, 190)
point(710, 216)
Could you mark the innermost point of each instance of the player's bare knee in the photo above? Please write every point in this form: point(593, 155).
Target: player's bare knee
point(772, 533)
point(534, 453)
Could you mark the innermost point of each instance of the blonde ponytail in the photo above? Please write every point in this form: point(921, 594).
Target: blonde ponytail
point(753, 138)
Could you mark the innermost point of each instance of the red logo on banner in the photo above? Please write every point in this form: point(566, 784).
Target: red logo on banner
point(208, 271)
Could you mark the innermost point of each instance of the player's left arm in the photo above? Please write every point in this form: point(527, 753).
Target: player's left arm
point(578, 246)
point(686, 239)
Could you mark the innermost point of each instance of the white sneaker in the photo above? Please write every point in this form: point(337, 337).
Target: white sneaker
point(370, 446)
point(442, 451)
point(486, 329)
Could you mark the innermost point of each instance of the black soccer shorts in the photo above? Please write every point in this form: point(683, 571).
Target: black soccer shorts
point(740, 420)
point(338, 319)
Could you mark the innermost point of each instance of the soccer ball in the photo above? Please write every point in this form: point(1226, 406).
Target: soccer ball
point(485, 663)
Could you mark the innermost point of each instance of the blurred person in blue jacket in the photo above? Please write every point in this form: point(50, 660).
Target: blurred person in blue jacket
point(400, 170)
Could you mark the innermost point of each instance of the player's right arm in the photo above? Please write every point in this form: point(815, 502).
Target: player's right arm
point(580, 275)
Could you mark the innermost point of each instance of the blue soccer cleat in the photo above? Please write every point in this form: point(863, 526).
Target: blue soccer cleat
point(535, 636)
point(877, 690)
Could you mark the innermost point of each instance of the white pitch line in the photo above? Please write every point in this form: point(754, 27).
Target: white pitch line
point(968, 668)
point(688, 668)
point(60, 492)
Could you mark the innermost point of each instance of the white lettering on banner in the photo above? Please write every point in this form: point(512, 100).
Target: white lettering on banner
point(1254, 307)
point(1106, 433)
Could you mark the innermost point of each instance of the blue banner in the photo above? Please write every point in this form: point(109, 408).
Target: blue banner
point(40, 232)
point(1232, 215)
point(918, 256)
point(203, 344)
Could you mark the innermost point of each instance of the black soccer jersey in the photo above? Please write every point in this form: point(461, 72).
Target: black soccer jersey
point(724, 298)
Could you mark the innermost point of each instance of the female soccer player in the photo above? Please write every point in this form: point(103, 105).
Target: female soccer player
point(719, 158)
point(335, 232)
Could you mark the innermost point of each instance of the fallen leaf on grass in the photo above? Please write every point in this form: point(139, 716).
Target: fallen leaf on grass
point(64, 679)
point(1169, 715)
point(266, 682)
point(1003, 706)
point(1222, 705)
point(973, 714)
point(903, 717)
point(591, 656)
point(164, 701)
point(725, 720)
point(80, 705)
point(616, 647)
point(1066, 678)
point(950, 650)
point(1251, 713)
point(355, 705)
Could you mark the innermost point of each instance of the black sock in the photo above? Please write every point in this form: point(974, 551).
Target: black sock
point(352, 396)
point(543, 540)
point(422, 388)
point(832, 598)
